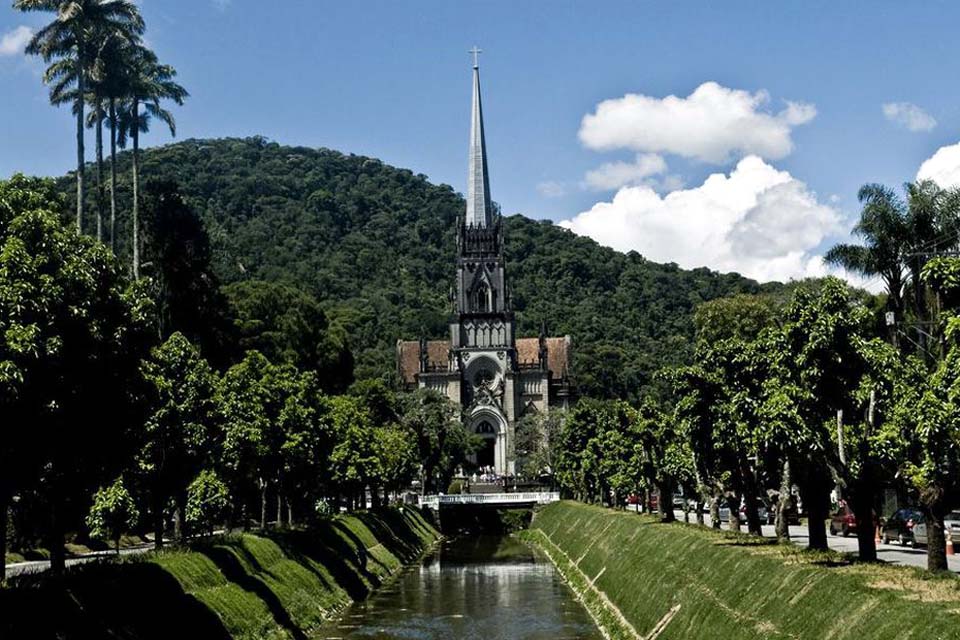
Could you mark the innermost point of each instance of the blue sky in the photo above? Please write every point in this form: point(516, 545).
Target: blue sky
point(392, 80)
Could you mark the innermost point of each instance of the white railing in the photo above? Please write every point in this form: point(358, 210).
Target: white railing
point(534, 497)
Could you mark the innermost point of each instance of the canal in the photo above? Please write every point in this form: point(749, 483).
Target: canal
point(470, 588)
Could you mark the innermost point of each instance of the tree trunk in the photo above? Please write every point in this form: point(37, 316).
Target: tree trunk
point(263, 505)
point(753, 517)
point(733, 504)
point(698, 505)
point(289, 514)
point(862, 501)
point(816, 499)
point(4, 516)
point(136, 190)
point(783, 504)
point(100, 186)
point(666, 504)
point(157, 518)
point(113, 175)
point(715, 512)
point(58, 559)
point(279, 509)
point(934, 512)
point(180, 527)
point(81, 88)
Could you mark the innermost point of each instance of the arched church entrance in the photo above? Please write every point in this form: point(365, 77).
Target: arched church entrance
point(487, 454)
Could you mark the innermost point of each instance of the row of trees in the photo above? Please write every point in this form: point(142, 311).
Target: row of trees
point(100, 66)
point(108, 404)
point(804, 392)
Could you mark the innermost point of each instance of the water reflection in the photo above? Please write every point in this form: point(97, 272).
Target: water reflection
point(482, 588)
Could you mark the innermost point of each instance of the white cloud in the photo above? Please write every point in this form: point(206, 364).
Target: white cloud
point(943, 167)
point(908, 115)
point(757, 221)
point(712, 124)
point(551, 189)
point(13, 42)
point(614, 175)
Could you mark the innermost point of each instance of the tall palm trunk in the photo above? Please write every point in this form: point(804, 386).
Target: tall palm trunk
point(100, 186)
point(113, 174)
point(80, 152)
point(136, 189)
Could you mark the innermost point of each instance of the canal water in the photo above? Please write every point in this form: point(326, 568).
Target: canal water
point(470, 588)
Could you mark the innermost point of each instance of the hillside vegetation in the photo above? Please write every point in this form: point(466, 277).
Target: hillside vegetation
point(637, 575)
point(375, 244)
point(237, 587)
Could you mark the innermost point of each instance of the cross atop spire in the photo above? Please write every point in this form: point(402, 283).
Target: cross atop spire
point(476, 56)
point(479, 205)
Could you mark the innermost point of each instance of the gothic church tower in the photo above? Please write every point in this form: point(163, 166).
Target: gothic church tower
point(494, 376)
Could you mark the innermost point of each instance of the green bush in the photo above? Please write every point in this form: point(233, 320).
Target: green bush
point(207, 501)
point(113, 513)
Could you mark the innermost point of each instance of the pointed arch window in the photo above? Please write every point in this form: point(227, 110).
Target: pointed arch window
point(483, 298)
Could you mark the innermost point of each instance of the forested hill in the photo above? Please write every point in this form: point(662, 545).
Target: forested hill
point(375, 244)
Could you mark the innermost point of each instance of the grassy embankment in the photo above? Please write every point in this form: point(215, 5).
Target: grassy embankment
point(234, 587)
point(644, 579)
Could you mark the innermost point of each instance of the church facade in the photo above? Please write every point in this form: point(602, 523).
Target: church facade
point(495, 376)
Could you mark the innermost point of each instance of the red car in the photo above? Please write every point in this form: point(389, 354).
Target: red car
point(843, 522)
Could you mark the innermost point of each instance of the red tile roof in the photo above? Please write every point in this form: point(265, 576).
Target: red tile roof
point(528, 351)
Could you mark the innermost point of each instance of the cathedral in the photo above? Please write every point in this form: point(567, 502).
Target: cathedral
point(496, 377)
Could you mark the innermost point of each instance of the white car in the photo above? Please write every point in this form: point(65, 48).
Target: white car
point(951, 523)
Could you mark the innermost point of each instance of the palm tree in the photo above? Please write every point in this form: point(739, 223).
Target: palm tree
point(149, 82)
point(109, 80)
point(899, 236)
point(883, 228)
point(68, 42)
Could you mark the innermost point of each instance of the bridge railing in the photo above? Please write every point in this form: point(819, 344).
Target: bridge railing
point(536, 497)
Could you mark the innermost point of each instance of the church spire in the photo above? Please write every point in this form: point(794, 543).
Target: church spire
point(479, 206)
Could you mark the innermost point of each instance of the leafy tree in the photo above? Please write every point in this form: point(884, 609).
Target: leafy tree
point(208, 500)
point(183, 428)
point(309, 437)
point(254, 394)
point(287, 325)
point(188, 295)
point(71, 337)
point(442, 441)
point(536, 442)
point(742, 316)
point(354, 462)
point(113, 512)
point(816, 367)
point(70, 42)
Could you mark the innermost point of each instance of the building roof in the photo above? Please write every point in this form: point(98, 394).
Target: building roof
point(438, 355)
point(558, 353)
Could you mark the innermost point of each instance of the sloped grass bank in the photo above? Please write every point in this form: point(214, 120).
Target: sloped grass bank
point(243, 587)
point(644, 579)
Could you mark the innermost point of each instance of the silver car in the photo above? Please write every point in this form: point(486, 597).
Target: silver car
point(951, 523)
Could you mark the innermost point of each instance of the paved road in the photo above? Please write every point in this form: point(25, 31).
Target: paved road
point(892, 553)
point(38, 566)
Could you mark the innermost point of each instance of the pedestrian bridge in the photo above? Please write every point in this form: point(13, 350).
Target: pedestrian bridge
point(490, 499)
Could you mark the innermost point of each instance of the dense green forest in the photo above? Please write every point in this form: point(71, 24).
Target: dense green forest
point(375, 246)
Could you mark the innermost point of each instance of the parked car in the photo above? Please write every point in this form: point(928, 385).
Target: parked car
point(900, 527)
point(843, 522)
point(951, 523)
